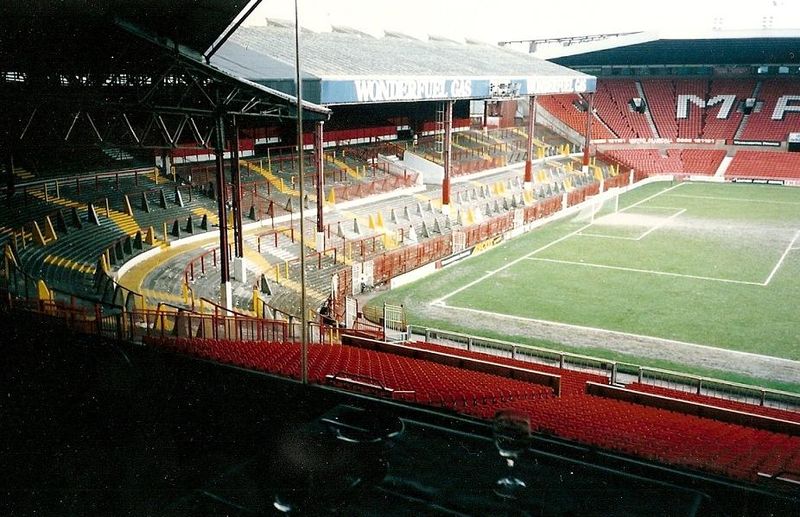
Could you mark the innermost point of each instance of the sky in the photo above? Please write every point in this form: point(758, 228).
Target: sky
point(504, 20)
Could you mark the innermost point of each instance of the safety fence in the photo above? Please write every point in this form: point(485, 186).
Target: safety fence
point(622, 168)
point(354, 249)
point(500, 348)
point(620, 180)
point(468, 164)
point(378, 186)
point(616, 371)
point(712, 387)
point(51, 188)
point(579, 195)
point(542, 209)
point(58, 214)
point(488, 229)
point(197, 265)
point(132, 324)
point(396, 262)
point(371, 153)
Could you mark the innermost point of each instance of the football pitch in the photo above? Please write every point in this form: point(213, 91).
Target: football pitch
point(701, 263)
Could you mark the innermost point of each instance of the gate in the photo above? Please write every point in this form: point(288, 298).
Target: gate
point(363, 276)
point(459, 241)
point(519, 217)
point(350, 312)
point(395, 327)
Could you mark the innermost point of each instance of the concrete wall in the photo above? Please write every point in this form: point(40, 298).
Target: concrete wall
point(544, 118)
point(431, 173)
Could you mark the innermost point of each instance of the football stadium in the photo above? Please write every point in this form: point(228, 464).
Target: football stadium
point(271, 268)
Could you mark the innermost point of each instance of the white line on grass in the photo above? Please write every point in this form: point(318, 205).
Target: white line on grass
point(672, 208)
point(601, 236)
point(660, 224)
point(642, 236)
point(738, 200)
point(615, 332)
point(534, 252)
point(780, 261)
point(647, 271)
point(494, 272)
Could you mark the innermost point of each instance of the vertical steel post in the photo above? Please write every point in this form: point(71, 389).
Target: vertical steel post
point(448, 147)
point(319, 159)
point(588, 141)
point(219, 152)
point(236, 190)
point(531, 123)
point(303, 315)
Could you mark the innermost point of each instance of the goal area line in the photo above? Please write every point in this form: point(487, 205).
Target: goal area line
point(660, 224)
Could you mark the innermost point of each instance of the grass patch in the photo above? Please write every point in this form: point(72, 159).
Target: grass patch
point(713, 264)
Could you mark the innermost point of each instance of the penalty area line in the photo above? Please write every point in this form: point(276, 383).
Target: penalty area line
point(647, 271)
point(738, 199)
point(661, 224)
point(601, 236)
point(546, 246)
point(789, 248)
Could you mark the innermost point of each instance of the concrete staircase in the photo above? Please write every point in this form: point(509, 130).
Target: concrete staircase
point(648, 115)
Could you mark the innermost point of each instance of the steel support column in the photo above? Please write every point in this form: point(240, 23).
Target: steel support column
point(236, 190)
point(303, 308)
point(319, 163)
point(448, 130)
point(222, 209)
point(588, 141)
point(529, 161)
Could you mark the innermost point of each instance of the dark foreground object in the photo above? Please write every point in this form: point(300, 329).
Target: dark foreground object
point(100, 428)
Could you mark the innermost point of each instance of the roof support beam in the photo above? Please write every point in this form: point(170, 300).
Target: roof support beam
point(243, 15)
point(130, 128)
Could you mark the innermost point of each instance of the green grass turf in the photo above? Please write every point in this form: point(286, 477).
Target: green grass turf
point(718, 232)
point(601, 353)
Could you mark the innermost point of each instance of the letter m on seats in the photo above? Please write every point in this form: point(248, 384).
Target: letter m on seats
point(727, 102)
point(683, 105)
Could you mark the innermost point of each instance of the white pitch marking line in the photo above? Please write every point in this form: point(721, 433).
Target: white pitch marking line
point(739, 200)
point(534, 252)
point(780, 261)
point(601, 236)
point(661, 223)
point(672, 208)
point(642, 236)
point(613, 332)
point(647, 271)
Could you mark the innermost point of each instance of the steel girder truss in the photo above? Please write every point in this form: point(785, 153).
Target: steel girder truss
point(155, 97)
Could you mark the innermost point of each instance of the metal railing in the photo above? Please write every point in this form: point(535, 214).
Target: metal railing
point(615, 371)
point(711, 387)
